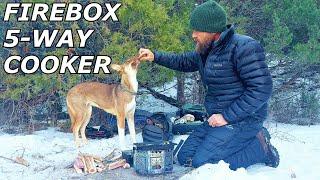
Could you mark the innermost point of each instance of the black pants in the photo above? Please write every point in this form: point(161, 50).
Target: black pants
point(235, 144)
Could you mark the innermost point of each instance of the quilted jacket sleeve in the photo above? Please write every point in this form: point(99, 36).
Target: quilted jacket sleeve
point(186, 62)
point(255, 76)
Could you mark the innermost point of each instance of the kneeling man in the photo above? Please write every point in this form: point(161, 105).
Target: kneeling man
point(239, 85)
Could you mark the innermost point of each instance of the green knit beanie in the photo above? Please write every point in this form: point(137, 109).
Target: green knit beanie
point(208, 17)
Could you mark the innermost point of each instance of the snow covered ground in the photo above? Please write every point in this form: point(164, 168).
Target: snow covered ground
point(50, 151)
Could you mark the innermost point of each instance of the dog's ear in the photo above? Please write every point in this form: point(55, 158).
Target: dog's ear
point(116, 67)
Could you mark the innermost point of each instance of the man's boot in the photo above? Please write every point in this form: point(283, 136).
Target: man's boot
point(272, 154)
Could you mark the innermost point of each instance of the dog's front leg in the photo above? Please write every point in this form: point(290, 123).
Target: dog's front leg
point(121, 130)
point(132, 130)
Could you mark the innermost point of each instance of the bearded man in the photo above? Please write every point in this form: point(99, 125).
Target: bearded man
point(238, 87)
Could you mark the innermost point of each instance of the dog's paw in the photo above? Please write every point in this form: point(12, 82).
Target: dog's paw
point(85, 141)
point(78, 143)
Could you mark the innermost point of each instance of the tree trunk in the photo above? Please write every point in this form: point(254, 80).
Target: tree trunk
point(198, 89)
point(181, 86)
point(201, 92)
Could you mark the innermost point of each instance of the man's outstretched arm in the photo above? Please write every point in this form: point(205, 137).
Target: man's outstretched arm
point(186, 62)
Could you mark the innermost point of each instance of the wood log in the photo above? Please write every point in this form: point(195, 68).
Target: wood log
point(87, 161)
point(89, 164)
point(95, 157)
point(78, 170)
point(78, 165)
point(117, 164)
point(93, 168)
point(85, 168)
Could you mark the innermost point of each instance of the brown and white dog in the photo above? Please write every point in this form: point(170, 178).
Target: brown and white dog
point(116, 99)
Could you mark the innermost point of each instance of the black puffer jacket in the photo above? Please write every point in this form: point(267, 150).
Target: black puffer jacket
point(235, 74)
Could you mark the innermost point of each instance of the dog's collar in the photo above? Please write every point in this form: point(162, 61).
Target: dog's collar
point(123, 88)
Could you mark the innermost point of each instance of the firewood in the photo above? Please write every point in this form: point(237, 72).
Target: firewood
point(92, 167)
point(89, 163)
point(85, 168)
point(117, 164)
point(78, 170)
point(78, 165)
point(96, 158)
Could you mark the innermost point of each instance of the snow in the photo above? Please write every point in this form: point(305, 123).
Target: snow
point(50, 151)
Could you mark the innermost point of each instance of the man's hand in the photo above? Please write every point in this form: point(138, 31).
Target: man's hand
point(146, 55)
point(217, 120)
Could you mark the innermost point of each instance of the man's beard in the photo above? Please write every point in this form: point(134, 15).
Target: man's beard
point(203, 48)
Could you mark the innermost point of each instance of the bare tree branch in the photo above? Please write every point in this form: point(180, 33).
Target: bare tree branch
point(163, 97)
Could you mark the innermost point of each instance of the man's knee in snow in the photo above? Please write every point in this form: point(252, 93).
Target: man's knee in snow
point(197, 162)
point(184, 157)
point(201, 158)
point(194, 161)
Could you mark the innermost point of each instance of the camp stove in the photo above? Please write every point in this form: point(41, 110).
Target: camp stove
point(152, 159)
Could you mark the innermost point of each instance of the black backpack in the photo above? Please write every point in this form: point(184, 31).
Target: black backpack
point(158, 128)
